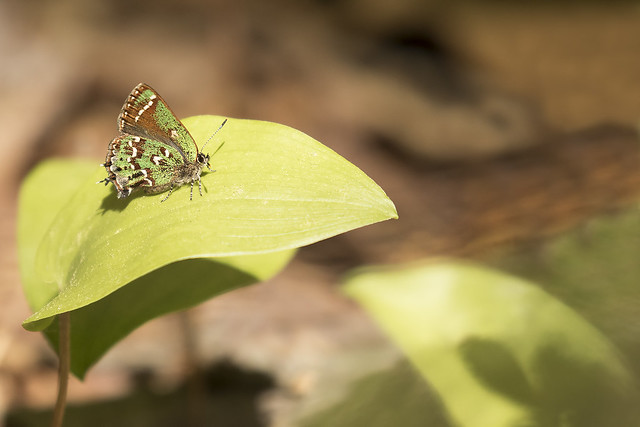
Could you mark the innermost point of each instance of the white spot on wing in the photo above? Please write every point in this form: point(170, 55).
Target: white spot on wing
point(145, 108)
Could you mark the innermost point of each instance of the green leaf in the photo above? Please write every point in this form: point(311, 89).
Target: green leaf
point(98, 326)
point(394, 396)
point(499, 351)
point(38, 205)
point(595, 270)
point(274, 189)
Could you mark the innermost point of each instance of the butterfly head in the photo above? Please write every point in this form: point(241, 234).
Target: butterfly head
point(203, 160)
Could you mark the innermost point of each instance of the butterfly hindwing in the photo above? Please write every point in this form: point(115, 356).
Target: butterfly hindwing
point(135, 161)
point(147, 115)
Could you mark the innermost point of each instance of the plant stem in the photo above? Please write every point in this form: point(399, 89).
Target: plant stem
point(196, 404)
point(64, 357)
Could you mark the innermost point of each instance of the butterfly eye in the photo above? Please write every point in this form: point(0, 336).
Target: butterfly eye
point(201, 158)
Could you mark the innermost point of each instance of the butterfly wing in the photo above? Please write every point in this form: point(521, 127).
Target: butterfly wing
point(145, 114)
point(134, 161)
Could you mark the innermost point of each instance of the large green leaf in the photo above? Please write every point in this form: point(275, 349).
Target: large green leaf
point(275, 189)
point(498, 350)
point(98, 326)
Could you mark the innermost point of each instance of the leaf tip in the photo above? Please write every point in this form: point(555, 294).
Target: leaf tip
point(35, 324)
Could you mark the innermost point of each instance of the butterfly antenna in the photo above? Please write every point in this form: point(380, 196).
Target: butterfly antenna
point(214, 134)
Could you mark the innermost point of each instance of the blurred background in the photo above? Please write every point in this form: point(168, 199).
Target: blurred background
point(495, 127)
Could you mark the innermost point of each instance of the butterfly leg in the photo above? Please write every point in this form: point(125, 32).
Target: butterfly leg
point(200, 186)
point(170, 190)
point(106, 181)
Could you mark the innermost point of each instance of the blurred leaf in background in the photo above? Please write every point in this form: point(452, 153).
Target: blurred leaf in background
point(497, 349)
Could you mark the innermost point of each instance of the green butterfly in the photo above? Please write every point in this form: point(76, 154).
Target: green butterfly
point(154, 150)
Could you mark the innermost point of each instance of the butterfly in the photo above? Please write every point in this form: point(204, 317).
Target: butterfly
point(154, 150)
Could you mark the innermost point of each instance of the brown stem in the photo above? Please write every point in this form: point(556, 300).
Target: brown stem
point(195, 385)
point(64, 356)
